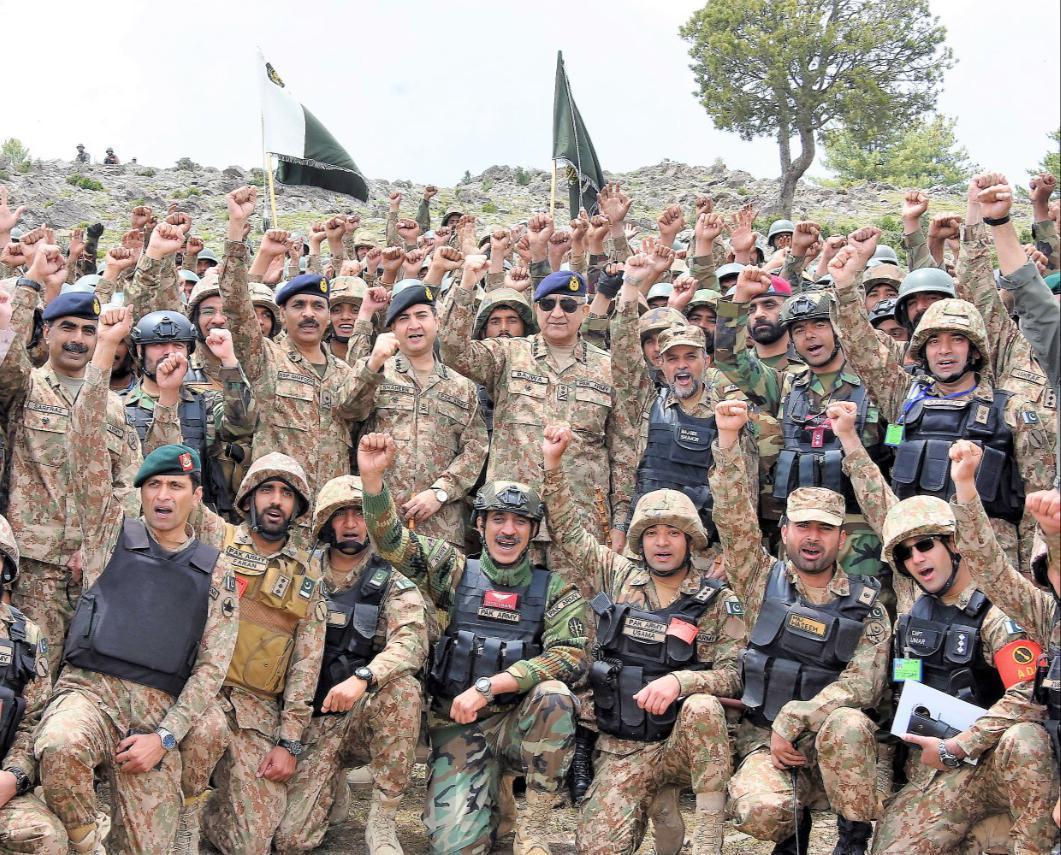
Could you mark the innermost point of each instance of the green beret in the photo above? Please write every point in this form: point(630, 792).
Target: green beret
point(169, 460)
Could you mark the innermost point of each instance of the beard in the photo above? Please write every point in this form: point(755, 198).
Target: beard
point(684, 393)
point(766, 332)
point(351, 545)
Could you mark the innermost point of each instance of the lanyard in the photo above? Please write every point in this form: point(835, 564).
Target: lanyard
point(908, 404)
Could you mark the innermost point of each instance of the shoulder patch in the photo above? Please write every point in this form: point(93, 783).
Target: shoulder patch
point(877, 612)
point(1014, 628)
point(561, 604)
point(734, 607)
point(439, 554)
point(1029, 417)
point(576, 627)
point(400, 583)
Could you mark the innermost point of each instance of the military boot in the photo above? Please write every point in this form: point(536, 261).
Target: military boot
point(341, 804)
point(186, 841)
point(506, 805)
point(800, 839)
point(668, 827)
point(91, 843)
point(532, 824)
point(708, 824)
point(580, 775)
point(852, 837)
point(381, 835)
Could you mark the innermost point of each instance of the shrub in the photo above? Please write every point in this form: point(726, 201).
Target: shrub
point(522, 176)
point(187, 163)
point(84, 182)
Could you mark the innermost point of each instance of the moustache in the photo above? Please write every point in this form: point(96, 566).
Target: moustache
point(506, 540)
point(309, 325)
point(74, 347)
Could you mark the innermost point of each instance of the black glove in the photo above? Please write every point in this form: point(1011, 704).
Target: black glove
point(95, 231)
point(609, 284)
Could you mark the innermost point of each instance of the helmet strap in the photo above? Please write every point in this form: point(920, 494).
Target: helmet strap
point(256, 527)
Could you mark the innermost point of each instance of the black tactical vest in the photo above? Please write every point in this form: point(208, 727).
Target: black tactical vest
point(947, 641)
point(635, 647)
point(18, 665)
point(1048, 693)
point(486, 408)
point(350, 636)
point(678, 456)
point(491, 627)
point(143, 619)
point(922, 461)
point(796, 649)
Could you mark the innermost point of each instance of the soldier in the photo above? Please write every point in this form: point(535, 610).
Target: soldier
point(881, 282)
point(811, 455)
point(27, 825)
point(882, 317)
point(1014, 770)
point(499, 675)
point(656, 704)
point(780, 234)
point(368, 698)
point(205, 261)
point(206, 313)
point(431, 411)
point(188, 281)
point(149, 642)
point(344, 303)
point(817, 657)
point(503, 313)
point(44, 516)
point(265, 309)
point(268, 692)
point(82, 156)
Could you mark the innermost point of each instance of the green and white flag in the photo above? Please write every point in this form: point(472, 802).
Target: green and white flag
point(307, 151)
point(573, 148)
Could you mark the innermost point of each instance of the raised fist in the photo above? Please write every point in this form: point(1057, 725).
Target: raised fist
point(194, 245)
point(805, 235)
point(1042, 187)
point(752, 282)
point(181, 220)
point(704, 205)
point(117, 259)
point(915, 203)
point(241, 202)
point(408, 230)
point(430, 192)
point(166, 239)
point(447, 258)
point(670, 222)
point(142, 215)
point(274, 243)
point(731, 416)
point(395, 201)
point(944, 227)
point(518, 278)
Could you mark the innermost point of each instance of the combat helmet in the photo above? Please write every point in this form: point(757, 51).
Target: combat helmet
point(703, 297)
point(953, 316)
point(666, 507)
point(262, 295)
point(919, 516)
point(275, 466)
point(161, 327)
point(779, 227)
point(510, 496)
point(925, 280)
point(883, 311)
point(340, 493)
point(809, 306)
point(884, 254)
point(504, 297)
point(656, 320)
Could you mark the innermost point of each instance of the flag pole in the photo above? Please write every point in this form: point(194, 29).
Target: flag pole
point(272, 188)
point(552, 191)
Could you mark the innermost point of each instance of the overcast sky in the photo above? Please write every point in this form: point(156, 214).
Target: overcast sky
point(427, 90)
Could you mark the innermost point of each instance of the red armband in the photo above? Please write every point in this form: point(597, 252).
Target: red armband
point(1016, 662)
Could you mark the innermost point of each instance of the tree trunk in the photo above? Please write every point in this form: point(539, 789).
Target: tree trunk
point(793, 170)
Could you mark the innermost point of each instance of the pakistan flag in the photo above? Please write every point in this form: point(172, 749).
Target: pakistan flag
point(572, 147)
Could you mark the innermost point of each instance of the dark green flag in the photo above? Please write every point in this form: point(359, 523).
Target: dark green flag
point(573, 147)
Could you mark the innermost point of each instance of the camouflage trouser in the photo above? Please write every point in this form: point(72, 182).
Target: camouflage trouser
point(1018, 777)
point(201, 749)
point(535, 739)
point(47, 596)
point(697, 752)
point(385, 725)
point(74, 738)
point(27, 826)
point(841, 767)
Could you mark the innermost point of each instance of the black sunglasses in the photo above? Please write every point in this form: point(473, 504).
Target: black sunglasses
point(925, 544)
point(568, 304)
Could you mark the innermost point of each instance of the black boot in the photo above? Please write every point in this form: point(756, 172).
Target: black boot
point(580, 775)
point(788, 846)
point(851, 837)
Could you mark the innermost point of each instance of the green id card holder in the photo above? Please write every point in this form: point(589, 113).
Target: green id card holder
point(893, 436)
point(906, 669)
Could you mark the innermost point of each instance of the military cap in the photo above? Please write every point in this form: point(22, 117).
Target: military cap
point(73, 304)
point(412, 293)
point(207, 255)
point(688, 335)
point(169, 460)
point(340, 493)
point(817, 504)
point(188, 275)
point(348, 289)
point(660, 289)
point(884, 271)
point(306, 283)
point(658, 319)
point(564, 282)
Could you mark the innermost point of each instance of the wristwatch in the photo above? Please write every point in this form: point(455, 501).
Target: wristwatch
point(441, 495)
point(169, 741)
point(484, 688)
point(290, 746)
point(22, 782)
point(951, 761)
point(26, 282)
point(365, 673)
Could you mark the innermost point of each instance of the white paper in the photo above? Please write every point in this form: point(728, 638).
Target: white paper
point(958, 714)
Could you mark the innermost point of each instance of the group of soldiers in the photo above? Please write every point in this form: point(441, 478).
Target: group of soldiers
point(612, 521)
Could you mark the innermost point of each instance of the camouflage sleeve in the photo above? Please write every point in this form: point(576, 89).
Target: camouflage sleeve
point(432, 564)
point(423, 215)
point(358, 397)
point(564, 639)
point(313, 263)
point(360, 344)
point(736, 516)
point(393, 239)
point(1007, 589)
point(579, 263)
point(247, 337)
point(1034, 441)
point(629, 372)
point(721, 638)
point(792, 271)
point(538, 271)
point(36, 693)
point(618, 248)
point(739, 363)
point(406, 631)
point(482, 362)
point(621, 435)
point(165, 428)
point(24, 303)
point(459, 477)
point(212, 659)
point(871, 356)
point(917, 254)
point(702, 269)
point(1046, 241)
point(976, 285)
point(105, 291)
point(15, 373)
point(124, 472)
point(1040, 321)
point(301, 680)
point(146, 292)
point(189, 261)
point(235, 411)
point(859, 686)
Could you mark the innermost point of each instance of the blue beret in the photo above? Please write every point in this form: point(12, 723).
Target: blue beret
point(563, 281)
point(307, 283)
point(169, 460)
point(410, 295)
point(73, 304)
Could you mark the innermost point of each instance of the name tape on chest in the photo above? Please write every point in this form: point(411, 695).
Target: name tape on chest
point(504, 615)
point(245, 560)
point(7, 650)
point(47, 408)
point(807, 626)
point(530, 378)
point(645, 630)
point(296, 378)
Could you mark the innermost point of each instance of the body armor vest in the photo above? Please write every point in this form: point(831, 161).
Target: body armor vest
point(797, 649)
point(486, 408)
point(20, 655)
point(948, 642)
point(636, 646)
point(1048, 693)
point(350, 636)
point(275, 594)
point(144, 617)
point(678, 457)
point(491, 628)
point(922, 461)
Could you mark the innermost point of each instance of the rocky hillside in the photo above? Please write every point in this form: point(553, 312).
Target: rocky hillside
point(65, 196)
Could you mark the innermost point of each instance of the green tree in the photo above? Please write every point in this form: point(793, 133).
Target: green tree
point(14, 151)
point(1051, 161)
point(791, 68)
point(924, 154)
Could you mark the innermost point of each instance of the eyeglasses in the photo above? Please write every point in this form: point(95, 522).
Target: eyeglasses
point(925, 544)
point(568, 304)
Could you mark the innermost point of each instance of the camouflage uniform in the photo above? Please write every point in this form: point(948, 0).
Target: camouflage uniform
point(534, 737)
point(629, 773)
point(1016, 771)
point(770, 388)
point(830, 729)
point(384, 723)
point(438, 430)
point(90, 712)
point(267, 693)
point(42, 510)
